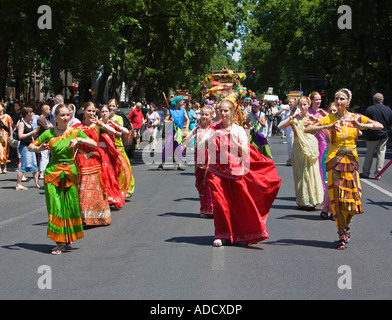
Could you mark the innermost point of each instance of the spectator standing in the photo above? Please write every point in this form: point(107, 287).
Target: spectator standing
point(137, 120)
point(43, 124)
point(15, 115)
point(28, 159)
point(269, 114)
point(152, 123)
point(289, 133)
point(376, 140)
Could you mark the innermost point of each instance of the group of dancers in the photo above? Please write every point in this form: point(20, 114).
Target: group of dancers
point(235, 174)
point(88, 173)
point(240, 191)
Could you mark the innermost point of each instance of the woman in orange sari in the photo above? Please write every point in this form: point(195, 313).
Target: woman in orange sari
point(5, 132)
point(92, 180)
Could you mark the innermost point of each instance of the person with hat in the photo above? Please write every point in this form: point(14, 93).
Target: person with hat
point(257, 125)
point(176, 121)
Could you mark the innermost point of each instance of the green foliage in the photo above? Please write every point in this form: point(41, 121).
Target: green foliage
point(154, 45)
point(294, 41)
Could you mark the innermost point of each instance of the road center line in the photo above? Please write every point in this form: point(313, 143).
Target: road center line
point(218, 259)
point(14, 219)
point(377, 187)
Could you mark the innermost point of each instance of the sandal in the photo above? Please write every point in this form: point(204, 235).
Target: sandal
point(341, 244)
point(21, 188)
point(347, 236)
point(57, 250)
point(217, 243)
point(324, 215)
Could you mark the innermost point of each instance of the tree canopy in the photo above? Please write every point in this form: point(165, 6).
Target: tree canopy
point(151, 45)
point(157, 45)
point(293, 42)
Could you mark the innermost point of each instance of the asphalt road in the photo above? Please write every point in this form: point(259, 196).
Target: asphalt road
point(158, 247)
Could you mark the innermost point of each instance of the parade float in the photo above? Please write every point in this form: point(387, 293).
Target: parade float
point(226, 83)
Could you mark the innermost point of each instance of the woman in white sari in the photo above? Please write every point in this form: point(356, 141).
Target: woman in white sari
point(307, 180)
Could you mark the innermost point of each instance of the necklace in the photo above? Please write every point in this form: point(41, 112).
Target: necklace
point(344, 117)
point(342, 124)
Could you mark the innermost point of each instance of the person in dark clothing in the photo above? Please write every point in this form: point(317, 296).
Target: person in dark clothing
point(376, 140)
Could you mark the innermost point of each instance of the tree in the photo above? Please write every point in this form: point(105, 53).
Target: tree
point(291, 41)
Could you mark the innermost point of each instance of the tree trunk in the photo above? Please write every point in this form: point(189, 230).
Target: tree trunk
point(141, 73)
point(4, 56)
point(101, 87)
point(84, 93)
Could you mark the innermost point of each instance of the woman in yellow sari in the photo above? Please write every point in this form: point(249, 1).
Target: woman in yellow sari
point(342, 161)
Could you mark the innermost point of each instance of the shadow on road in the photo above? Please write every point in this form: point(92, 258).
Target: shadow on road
point(306, 243)
point(197, 240)
point(43, 248)
point(180, 214)
point(310, 216)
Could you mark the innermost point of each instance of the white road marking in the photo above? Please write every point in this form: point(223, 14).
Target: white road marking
point(377, 187)
point(11, 220)
point(218, 259)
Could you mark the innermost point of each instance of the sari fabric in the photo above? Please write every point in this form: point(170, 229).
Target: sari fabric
point(201, 170)
point(258, 134)
point(342, 168)
point(61, 193)
point(308, 184)
point(119, 171)
point(93, 181)
point(243, 189)
point(127, 172)
point(4, 135)
point(322, 145)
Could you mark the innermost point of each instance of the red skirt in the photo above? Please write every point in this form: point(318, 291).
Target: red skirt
point(241, 206)
point(203, 188)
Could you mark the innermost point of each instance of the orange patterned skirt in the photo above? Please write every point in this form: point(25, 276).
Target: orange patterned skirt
point(93, 202)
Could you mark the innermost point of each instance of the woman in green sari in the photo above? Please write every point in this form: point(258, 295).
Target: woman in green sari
point(65, 224)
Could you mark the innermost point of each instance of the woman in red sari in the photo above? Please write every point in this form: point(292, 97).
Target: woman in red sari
point(244, 183)
point(92, 180)
point(201, 162)
point(119, 172)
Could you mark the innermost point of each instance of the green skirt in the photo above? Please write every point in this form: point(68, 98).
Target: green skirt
point(65, 224)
